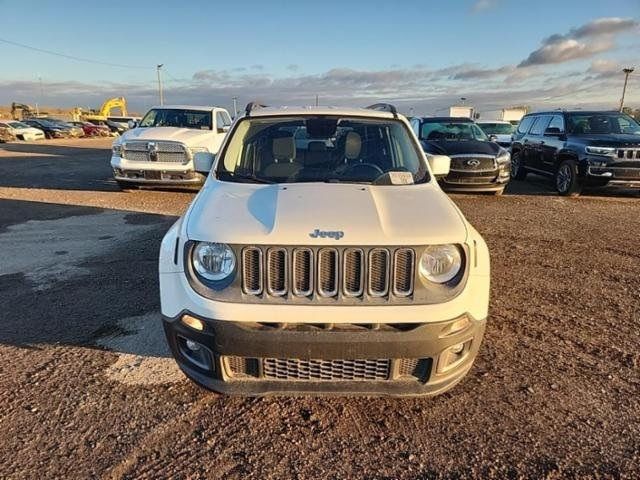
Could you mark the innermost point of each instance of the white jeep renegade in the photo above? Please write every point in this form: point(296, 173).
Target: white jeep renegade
point(160, 149)
point(321, 256)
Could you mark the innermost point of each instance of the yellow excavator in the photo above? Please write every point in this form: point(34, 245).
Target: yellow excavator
point(104, 112)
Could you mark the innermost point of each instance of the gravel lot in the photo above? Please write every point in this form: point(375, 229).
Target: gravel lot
point(88, 390)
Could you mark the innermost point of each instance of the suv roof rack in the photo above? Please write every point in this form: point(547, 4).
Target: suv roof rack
point(384, 107)
point(253, 106)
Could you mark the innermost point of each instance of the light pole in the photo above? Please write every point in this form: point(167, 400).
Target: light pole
point(158, 67)
point(235, 106)
point(627, 72)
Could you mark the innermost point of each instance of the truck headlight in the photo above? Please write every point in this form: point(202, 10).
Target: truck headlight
point(440, 263)
point(117, 149)
point(503, 157)
point(214, 262)
point(606, 151)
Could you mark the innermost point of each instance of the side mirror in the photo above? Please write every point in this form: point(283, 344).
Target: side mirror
point(440, 165)
point(223, 129)
point(493, 137)
point(132, 124)
point(203, 161)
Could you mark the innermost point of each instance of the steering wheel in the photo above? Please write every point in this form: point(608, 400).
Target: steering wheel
point(369, 171)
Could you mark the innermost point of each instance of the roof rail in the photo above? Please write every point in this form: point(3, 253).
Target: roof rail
point(384, 107)
point(252, 106)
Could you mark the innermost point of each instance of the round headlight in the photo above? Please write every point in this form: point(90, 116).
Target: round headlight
point(440, 263)
point(213, 261)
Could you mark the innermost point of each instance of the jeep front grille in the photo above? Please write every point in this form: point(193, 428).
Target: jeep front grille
point(328, 272)
point(629, 153)
point(161, 152)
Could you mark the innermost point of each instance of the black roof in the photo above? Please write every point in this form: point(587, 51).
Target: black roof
point(447, 119)
point(587, 112)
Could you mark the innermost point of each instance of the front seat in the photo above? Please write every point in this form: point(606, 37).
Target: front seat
point(284, 166)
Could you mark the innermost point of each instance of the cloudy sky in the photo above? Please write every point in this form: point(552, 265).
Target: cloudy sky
point(421, 55)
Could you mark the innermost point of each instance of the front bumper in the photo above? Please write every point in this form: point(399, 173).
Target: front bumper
point(262, 358)
point(615, 174)
point(151, 173)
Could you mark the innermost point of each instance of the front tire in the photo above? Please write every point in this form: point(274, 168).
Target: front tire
point(568, 184)
point(518, 171)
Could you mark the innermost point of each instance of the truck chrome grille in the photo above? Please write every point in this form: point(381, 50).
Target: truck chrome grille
point(160, 152)
point(473, 163)
point(328, 272)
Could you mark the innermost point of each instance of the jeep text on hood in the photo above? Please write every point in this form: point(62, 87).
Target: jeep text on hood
point(322, 256)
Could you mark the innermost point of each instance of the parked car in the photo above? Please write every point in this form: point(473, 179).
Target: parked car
point(579, 149)
point(6, 135)
point(339, 267)
point(22, 131)
point(115, 129)
point(93, 130)
point(161, 149)
point(50, 129)
point(477, 164)
point(499, 131)
point(74, 131)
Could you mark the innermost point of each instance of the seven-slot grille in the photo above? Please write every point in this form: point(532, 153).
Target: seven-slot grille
point(162, 152)
point(328, 272)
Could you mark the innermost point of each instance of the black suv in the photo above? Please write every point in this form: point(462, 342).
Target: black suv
point(477, 164)
point(578, 148)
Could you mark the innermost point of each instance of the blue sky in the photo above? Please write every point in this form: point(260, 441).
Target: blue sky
point(348, 52)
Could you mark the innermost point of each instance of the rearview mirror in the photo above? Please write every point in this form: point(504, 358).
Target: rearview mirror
point(132, 124)
point(440, 165)
point(203, 161)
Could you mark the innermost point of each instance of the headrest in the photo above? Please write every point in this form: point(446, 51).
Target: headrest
point(352, 146)
point(317, 146)
point(284, 148)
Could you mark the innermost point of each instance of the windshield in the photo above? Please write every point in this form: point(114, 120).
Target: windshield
point(601, 124)
point(18, 125)
point(177, 117)
point(497, 128)
point(321, 149)
point(46, 123)
point(451, 131)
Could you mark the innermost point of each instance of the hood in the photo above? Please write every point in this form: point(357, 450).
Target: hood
point(453, 147)
point(188, 136)
point(240, 213)
point(608, 140)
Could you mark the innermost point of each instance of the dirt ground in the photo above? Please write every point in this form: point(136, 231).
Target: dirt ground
point(88, 389)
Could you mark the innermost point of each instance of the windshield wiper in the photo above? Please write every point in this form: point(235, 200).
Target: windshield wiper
point(246, 176)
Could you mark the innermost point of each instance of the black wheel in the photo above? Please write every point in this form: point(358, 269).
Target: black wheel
point(518, 171)
point(568, 183)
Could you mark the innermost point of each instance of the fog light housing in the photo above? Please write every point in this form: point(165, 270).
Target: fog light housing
point(195, 353)
point(193, 322)
point(453, 356)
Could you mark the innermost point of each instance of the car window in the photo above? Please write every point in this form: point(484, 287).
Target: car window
point(540, 125)
point(556, 122)
point(451, 131)
point(321, 149)
point(177, 117)
point(497, 128)
point(525, 124)
point(222, 120)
